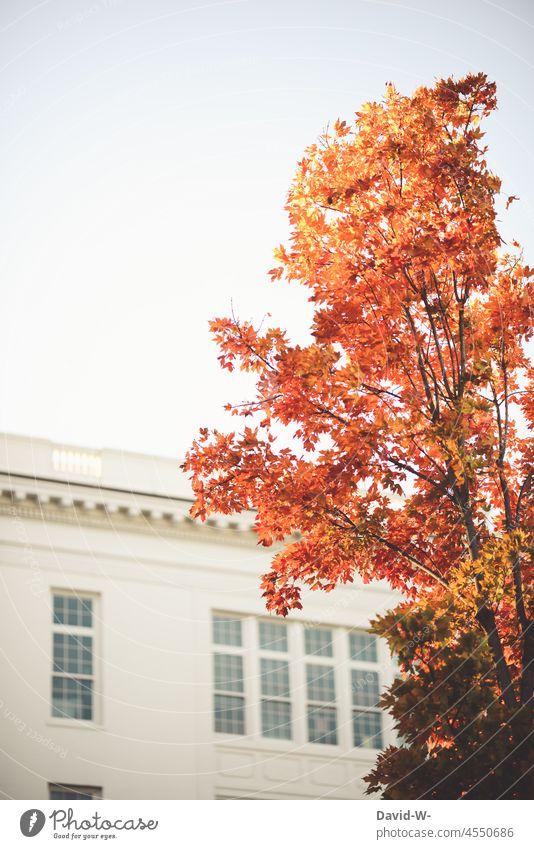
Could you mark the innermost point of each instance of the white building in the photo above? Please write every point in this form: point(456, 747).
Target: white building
point(137, 659)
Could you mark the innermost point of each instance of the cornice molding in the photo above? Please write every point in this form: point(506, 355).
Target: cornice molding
point(67, 503)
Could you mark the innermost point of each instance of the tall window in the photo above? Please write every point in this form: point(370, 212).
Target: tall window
point(320, 687)
point(73, 656)
point(228, 675)
point(365, 686)
point(274, 680)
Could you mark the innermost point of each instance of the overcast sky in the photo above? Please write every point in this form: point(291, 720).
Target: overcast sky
point(147, 147)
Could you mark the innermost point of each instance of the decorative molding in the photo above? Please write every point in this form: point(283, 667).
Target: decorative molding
point(115, 510)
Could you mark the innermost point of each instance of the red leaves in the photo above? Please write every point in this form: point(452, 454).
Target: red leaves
point(341, 128)
point(399, 412)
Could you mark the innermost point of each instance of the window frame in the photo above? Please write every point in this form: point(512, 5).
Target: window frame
point(309, 630)
point(314, 704)
point(282, 657)
point(371, 640)
point(267, 649)
point(232, 650)
point(341, 663)
point(77, 631)
point(229, 618)
point(366, 667)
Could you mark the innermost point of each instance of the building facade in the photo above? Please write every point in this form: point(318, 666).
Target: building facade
point(137, 658)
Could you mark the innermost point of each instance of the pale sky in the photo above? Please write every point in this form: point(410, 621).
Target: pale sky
point(147, 148)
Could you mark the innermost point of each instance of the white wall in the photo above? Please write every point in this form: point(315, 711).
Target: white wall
point(158, 577)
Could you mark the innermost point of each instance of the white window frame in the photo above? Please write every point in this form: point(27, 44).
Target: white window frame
point(78, 631)
point(239, 651)
point(375, 668)
point(328, 661)
point(282, 656)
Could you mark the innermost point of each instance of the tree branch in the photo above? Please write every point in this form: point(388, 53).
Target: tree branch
point(393, 547)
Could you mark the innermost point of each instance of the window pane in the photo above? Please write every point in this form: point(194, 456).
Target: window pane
point(276, 720)
point(229, 714)
point(363, 646)
point(71, 610)
point(318, 641)
point(320, 681)
point(273, 636)
point(322, 725)
point(72, 698)
point(228, 672)
point(73, 654)
point(59, 609)
point(274, 677)
point(365, 688)
point(227, 631)
point(367, 727)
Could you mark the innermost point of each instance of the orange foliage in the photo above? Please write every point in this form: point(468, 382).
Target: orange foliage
point(407, 462)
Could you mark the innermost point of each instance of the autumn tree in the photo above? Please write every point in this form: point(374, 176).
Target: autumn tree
point(410, 409)
point(456, 740)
